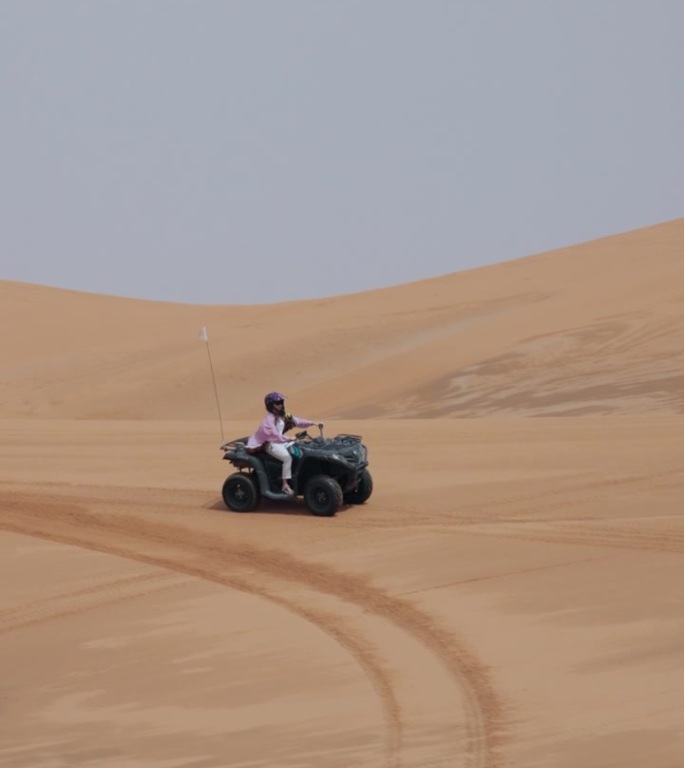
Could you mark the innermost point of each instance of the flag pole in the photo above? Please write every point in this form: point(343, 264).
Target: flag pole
point(205, 337)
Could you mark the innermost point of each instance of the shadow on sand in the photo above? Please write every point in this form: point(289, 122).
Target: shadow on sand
point(268, 507)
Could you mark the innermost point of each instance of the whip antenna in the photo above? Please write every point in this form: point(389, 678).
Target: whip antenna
point(205, 338)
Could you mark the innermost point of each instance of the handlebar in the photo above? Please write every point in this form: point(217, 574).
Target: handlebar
point(304, 434)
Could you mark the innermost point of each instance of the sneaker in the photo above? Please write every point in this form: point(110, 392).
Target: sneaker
point(288, 491)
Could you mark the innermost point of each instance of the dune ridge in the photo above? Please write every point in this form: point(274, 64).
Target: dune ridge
point(593, 328)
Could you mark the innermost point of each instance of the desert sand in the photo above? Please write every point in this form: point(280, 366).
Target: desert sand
point(511, 595)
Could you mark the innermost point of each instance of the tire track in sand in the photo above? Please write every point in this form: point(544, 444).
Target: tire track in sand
point(552, 515)
point(80, 600)
point(402, 651)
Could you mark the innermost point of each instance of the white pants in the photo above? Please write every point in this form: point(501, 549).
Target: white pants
point(279, 451)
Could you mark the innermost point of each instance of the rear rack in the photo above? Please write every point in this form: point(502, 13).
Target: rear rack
point(239, 442)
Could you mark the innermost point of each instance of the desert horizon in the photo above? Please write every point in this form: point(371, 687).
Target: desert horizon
point(510, 595)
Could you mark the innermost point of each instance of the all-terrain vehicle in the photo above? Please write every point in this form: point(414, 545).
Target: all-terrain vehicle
point(327, 472)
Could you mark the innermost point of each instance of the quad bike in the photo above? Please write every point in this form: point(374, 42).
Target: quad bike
point(327, 472)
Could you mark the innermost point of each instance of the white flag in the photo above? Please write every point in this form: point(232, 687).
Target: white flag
point(203, 333)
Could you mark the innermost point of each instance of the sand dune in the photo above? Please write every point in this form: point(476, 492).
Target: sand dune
point(510, 595)
point(590, 329)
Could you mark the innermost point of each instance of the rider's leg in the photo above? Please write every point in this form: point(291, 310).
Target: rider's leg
point(280, 452)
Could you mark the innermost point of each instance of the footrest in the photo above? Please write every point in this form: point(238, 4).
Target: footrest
point(280, 496)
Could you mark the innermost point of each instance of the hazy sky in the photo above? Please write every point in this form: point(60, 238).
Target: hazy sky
point(248, 151)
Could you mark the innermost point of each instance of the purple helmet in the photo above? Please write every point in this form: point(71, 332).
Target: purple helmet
point(271, 399)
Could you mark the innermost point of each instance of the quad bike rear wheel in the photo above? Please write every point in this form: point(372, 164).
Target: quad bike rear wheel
point(240, 493)
point(323, 496)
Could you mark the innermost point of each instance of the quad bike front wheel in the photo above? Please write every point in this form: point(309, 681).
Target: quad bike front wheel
point(363, 490)
point(323, 496)
point(240, 493)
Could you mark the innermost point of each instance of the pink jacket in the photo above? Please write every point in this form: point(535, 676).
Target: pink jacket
point(269, 431)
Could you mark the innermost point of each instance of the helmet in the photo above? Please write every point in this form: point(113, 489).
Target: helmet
point(272, 398)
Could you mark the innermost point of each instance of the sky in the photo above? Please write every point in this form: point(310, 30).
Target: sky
point(258, 151)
